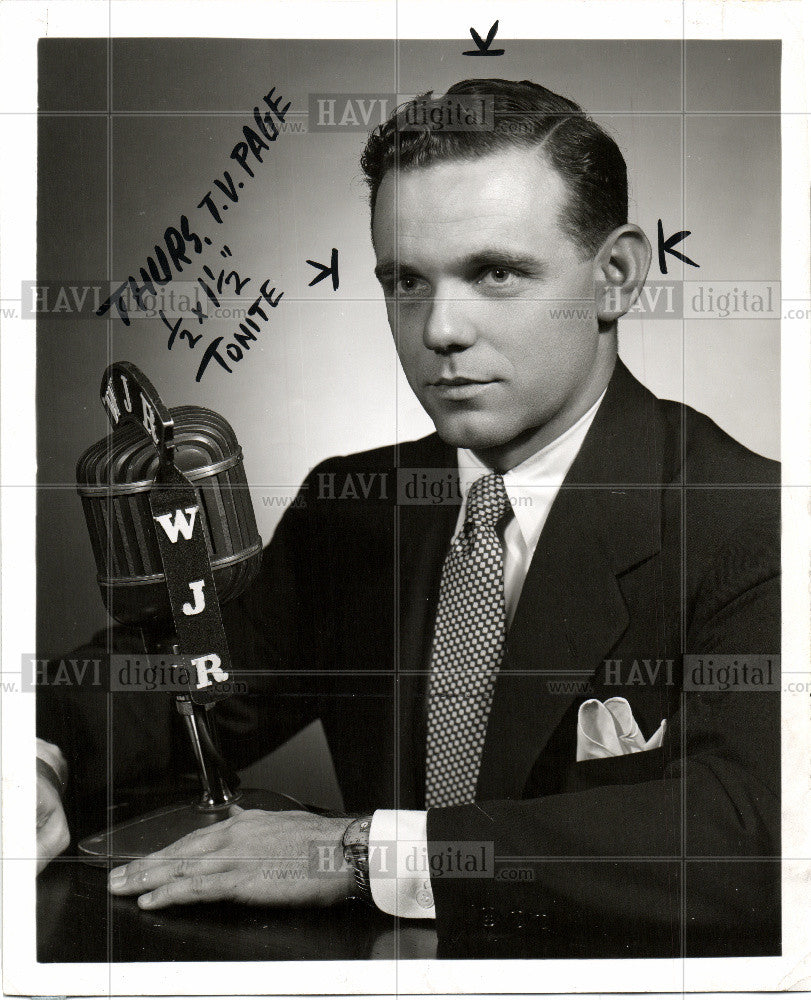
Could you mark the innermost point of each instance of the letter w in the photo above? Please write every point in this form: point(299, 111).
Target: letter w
point(180, 526)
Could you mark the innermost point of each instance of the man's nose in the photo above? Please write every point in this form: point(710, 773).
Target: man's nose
point(448, 326)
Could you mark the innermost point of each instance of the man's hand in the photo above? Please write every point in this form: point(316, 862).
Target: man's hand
point(267, 858)
point(53, 835)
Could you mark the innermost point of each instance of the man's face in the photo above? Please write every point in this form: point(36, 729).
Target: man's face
point(490, 303)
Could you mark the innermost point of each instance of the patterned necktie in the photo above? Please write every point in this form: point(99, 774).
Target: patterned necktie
point(467, 649)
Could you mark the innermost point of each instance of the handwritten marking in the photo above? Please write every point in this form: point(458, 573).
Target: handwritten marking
point(245, 335)
point(181, 243)
point(666, 246)
point(483, 47)
point(325, 271)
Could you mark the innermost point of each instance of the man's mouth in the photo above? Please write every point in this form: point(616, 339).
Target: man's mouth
point(459, 387)
point(461, 380)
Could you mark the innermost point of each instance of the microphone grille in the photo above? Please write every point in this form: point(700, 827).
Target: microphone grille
point(114, 479)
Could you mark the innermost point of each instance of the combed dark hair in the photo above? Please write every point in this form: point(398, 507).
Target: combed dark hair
point(525, 115)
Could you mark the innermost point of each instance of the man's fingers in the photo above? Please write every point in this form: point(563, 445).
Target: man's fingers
point(51, 841)
point(48, 802)
point(198, 888)
point(151, 873)
point(195, 846)
point(53, 837)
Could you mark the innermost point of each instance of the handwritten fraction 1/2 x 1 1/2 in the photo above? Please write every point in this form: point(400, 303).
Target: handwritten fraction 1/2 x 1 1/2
point(181, 244)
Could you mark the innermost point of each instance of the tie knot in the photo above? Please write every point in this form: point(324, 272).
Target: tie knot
point(487, 501)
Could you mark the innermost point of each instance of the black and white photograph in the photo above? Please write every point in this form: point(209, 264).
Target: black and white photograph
point(405, 499)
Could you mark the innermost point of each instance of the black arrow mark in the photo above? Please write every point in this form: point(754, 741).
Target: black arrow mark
point(666, 246)
point(483, 47)
point(332, 269)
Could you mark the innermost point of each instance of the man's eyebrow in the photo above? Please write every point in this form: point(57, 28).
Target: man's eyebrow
point(476, 261)
point(386, 270)
point(501, 257)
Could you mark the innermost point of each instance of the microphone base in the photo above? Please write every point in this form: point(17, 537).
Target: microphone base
point(142, 835)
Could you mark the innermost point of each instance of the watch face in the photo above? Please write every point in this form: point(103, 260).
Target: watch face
point(356, 839)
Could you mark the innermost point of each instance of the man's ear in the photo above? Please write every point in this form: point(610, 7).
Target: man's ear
point(621, 267)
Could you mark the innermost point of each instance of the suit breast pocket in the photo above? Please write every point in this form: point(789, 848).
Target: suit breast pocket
point(627, 769)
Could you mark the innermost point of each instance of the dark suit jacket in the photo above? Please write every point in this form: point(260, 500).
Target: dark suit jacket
point(663, 541)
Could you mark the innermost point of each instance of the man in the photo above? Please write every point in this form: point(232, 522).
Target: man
point(469, 655)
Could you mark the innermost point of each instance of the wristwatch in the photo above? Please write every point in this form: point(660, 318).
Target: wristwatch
point(355, 844)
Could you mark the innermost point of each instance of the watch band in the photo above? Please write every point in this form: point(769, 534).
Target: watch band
point(355, 844)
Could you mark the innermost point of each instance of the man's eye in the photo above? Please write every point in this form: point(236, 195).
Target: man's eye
point(497, 277)
point(409, 285)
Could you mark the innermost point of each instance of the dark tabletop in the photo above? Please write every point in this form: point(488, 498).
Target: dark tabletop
point(79, 921)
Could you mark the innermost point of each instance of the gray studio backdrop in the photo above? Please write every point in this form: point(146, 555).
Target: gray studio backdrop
point(132, 134)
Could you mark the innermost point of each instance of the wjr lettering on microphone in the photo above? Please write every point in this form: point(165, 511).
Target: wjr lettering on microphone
point(179, 532)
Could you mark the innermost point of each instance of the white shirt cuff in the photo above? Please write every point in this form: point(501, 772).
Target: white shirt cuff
point(399, 875)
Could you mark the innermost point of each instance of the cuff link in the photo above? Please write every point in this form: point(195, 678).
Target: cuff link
point(425, 897)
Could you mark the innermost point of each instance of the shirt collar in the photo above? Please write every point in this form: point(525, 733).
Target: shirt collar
point(530, 484)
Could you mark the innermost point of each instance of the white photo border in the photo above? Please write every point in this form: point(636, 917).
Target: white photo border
point(22, 23)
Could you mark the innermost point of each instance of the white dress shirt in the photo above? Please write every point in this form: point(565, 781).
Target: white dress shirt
point(398, 841)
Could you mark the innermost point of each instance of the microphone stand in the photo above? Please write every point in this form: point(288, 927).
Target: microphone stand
point(220, 789)
point(216, 793)
point(219, 782)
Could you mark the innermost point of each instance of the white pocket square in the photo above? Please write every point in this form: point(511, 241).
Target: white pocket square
point(609, 729)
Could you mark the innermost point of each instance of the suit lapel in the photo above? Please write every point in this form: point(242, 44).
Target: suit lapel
point(571, 611)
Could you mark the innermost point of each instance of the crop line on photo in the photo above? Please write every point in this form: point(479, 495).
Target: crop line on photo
point(218, 113)
point(636, 858)
point(791, 686)
point(596, 487)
